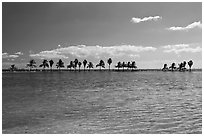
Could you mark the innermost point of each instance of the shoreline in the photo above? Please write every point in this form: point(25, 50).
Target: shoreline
point(102, 70)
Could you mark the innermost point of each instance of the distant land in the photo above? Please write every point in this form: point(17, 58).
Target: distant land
point(82, 70)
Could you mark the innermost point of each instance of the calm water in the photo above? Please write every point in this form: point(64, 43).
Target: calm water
point(102, 102)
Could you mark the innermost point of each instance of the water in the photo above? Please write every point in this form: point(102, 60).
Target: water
point(102, 102)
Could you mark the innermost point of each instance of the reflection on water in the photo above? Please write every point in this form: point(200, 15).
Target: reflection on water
point(102, 102)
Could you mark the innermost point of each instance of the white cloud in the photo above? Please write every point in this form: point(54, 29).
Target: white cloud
point(7, 56)
point(48, 55)
point(193, 48)
point(188, 27)
point(138, 20)
point(83, 51)
point(4, 54)
point(134, 56)
point(13, 56)
point(19, 53)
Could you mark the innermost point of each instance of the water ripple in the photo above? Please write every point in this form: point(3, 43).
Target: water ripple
point(95, 102)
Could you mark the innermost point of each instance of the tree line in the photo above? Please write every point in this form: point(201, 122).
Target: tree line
point(181, 66)
point(73, 64)
point(89, 65)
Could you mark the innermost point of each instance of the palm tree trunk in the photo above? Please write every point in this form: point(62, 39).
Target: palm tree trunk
point(109, 67)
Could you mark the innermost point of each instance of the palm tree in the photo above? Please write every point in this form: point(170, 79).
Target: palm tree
point(165, 67)
point(180, 66)
point(133, 65)
point(71, 64)
point(31, 64)
point(79, 63)
point(119, 65)
point(90, 65)
point(60, 64)
point(129, 65)
point(13, 67)
point(44, 64)
point(190, 63)
point(172, 67)
point(184, 65)
point(51, 63)
point(84, 63)
point(109, 61)
point(101, 64)
point(123, 65)
point(75, 63)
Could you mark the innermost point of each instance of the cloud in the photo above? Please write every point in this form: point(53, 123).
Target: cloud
point(83, 51)
point(188, 27)
point(7, 56)
point(48, 55)
point(134, 56)
point(150, 18)
point(4, 54)
point(178, 48)
point(19, 53)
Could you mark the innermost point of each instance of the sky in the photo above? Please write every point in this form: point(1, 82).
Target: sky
point(151, 34)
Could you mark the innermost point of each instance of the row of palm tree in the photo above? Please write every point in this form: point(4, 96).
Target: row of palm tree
point(75, 63)
point(101, 64)
point(181, 66)
point(128, 65)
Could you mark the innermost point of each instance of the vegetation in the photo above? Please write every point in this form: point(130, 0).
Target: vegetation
point(133, 65)
point(128, 65)
point(165, 67)
point(181, 66)
point(13, 67)
point(90, 65)
point(73, 64)
point(60, 64)
point(51, 63)
point(44, 64)
point(84, 63)
point(109, 61)
point(190, 63)
point(119, 65)
point(101, 64)
point(79, 64)
point(172, 67)
point(31, 64)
